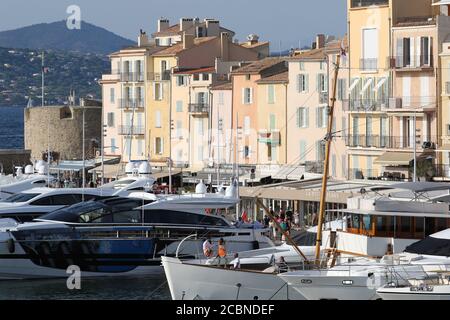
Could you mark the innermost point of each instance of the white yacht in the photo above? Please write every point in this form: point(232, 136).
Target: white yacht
point(33, 177)
point(121, 236)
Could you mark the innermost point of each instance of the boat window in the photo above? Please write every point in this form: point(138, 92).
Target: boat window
point(134, 216)
point(72, 213)
point(177, 217)
point(95, 216)
point(366, 221)
point(405, 224)
point(21, 197)
point(39, 182)
point(45, 201)
point(64, 199)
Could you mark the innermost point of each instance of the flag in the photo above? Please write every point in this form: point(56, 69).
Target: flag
point(343, 51)
point(244, 216)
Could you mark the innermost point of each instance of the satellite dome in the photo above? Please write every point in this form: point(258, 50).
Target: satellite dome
point(200, 188)
point(231, 191)
point(29, 169)
point(129, 168)
point(42, 169)
point(221, 190)
point(144, 168)
point(19, 171)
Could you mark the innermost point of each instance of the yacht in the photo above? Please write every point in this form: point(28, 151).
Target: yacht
point(118, 237)
point(32, 178)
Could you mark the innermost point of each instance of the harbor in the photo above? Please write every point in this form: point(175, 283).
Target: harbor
point(189, 165)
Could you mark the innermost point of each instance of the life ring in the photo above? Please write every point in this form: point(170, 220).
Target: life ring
point(11, 245)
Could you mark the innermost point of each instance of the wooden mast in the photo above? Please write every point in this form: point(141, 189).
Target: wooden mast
point(328, 139)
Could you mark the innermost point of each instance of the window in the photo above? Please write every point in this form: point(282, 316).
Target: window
point(425, 51)
point(112, 95)
point(246, 152)
point(127, 150)
point(179, 129)
point(127, 216)
point(200, 128)
point(158, 119)
point(303, 145)
point(111, 119)
point(302, 83)
point(271, 94)
point(322, 65)
point(247, 96)
point(181, 81)
point(202, 98)
point(196, 77)
point(333, 166)
point(113, 145)
point(248, 77)
point(322, 85)
point(302, 65)
point(342, 84)
point(158, 91)
point(20, 197)
point(179, 104)
point(370, 49)
point(140, 147)
point(320, 150)
point(221, 98)
point(321, 117)
point(158, 146)
point(177, 217)
point(247, 126)
point(205, 77)
point(272, 122)
point(302, 117)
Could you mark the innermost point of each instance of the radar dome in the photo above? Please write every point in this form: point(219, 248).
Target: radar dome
point(232, 191)
point(29, 169)
point(200, 188)
point(144, 168)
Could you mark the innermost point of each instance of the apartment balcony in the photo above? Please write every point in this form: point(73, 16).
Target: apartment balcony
point(363, 174)
point(411, 63)
point(364, 105)
point(131, 104)
point(158, 76)
point(368, 3)
point(199, 108)
point(324, 98)
point(132, 77)
point(131, 130)
point(389, 142)
point(368, 64)
point(272, 137)
point(411, 102)
point(317, 167)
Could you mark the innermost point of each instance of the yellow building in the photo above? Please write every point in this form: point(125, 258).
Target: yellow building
point(371, 79)
point(272, 114)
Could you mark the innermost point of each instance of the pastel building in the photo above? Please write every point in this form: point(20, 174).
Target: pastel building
point(245, 107)
point(375, 30)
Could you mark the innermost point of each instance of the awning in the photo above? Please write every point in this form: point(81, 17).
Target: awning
point(164, 174)
point(354, 83)
point(112, 171)
point(73, 166)
point(379, 84)
point(366, 85)
point(441, 3)
point(395, 159)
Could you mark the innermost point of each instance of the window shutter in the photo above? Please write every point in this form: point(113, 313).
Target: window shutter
point(299, 86)
point(306, 82)
point(298, 117)
point(318, 83)
point(243, 96)
point(251, 96)
point(411, 52)
point(399, 59)
point(318, 125)
point(306, 117)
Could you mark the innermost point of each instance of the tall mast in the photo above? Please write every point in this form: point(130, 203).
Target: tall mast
point(328, 139)
point(43, 81)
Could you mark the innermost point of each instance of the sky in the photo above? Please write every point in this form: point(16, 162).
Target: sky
point(291, 22)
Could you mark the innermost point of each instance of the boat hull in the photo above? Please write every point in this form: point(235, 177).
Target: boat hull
point(194, 281)
point(437, 293)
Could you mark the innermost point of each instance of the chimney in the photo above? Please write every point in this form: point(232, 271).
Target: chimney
point(212, 27)
point(188, 40)
point(186, 23)
point(320, 41)
point(143, 39)
point(224, 46)
point(163, 24)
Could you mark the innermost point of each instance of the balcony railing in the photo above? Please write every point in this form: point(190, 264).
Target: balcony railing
point(389, 142)
point(199, 108)
point(363, 174)
point(368, 64)
point(414, 62)
point(132, 77)
point(131, 103)
point(126, 130)
point(365, 105)
point(413, 102)
point(158, 76)
point(367, 3)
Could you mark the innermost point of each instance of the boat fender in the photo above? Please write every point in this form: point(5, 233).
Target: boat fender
point(11, 245)
point(255, 245)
